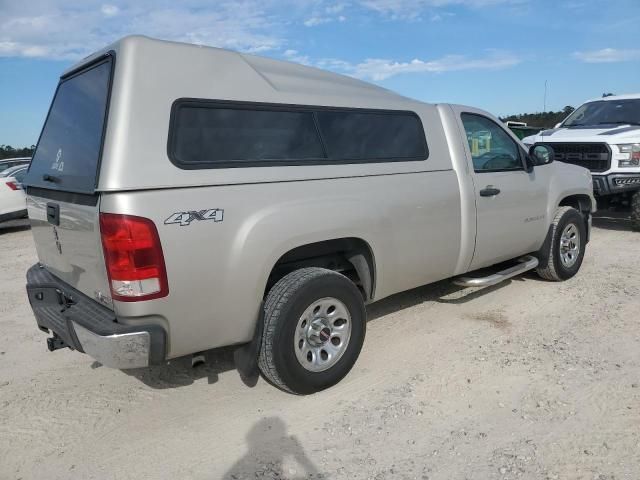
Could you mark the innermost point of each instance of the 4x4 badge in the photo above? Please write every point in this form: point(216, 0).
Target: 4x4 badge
point(185, 218)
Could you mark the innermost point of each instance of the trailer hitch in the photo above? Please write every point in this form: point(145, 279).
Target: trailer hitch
point(56, 343)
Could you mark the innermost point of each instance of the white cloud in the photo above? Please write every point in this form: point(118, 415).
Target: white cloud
point(608, 55)
point(109, 10)
point(334, 9)
point(331, 13)
point(314, 21)
point(294, 56)
point(412, 9)
point(381, 69)
point(71, 29)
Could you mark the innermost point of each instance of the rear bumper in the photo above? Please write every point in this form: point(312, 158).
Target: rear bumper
point(615, 183)
point(5, 217)
point(85, 325)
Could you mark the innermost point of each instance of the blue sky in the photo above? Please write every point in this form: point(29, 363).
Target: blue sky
point(493, 54)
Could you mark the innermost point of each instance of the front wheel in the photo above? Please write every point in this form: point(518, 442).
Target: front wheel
point(563, 251)
point(314, 327)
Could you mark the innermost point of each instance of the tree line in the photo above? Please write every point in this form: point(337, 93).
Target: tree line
point(541, 119)
point(7, 151)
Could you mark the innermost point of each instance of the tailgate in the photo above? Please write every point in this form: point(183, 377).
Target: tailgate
point(66, 232)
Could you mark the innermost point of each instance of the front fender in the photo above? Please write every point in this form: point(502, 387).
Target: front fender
point(566, 181)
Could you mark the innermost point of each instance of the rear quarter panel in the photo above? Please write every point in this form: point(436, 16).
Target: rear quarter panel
point(218, 271)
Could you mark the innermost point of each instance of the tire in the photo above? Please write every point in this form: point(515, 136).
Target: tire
point(635, 211)
point(554, 264)
point(287, 306)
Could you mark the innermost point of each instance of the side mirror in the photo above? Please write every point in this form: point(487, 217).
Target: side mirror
point(558, 125)
point(541, 154)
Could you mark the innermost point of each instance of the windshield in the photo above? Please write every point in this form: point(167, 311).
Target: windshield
point(606, 112)
point(68, 153)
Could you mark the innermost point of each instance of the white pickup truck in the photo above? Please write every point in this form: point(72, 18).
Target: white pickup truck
point(185, 198)
point(603, 135)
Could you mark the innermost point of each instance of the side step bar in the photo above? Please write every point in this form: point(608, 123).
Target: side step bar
point(525, 263)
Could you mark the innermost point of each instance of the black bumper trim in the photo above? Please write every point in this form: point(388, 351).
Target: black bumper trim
point(607, 185)
point(56, 306)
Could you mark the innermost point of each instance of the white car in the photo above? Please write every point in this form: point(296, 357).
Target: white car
point(13, 202)
point(14, 162)
point(603, 135)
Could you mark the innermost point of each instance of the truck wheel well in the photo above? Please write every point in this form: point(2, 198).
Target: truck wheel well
point(350, 256)
point(582, 203)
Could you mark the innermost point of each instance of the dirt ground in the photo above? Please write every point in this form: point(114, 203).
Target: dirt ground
point(528, 379)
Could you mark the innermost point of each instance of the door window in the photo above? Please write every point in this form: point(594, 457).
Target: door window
point(492, 149)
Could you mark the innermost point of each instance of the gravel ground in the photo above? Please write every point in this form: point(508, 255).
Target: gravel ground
point(528, 379)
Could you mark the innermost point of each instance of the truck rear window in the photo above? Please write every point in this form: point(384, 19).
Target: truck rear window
point(70, 145)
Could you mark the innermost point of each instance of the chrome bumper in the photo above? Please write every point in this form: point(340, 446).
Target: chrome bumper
point(126, 350)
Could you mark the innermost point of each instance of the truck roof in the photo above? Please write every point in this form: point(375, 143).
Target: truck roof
point(281, 75)
point(628, 96)
point(152, 75)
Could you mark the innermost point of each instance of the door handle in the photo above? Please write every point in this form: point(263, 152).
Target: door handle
point(489, 191)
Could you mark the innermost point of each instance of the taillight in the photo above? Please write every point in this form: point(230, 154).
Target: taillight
point(134, 259)
point(14, 186)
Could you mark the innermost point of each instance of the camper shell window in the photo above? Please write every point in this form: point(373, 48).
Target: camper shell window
point(216, 134)
point(67, 157)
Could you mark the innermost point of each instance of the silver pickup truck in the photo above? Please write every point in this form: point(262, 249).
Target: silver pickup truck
point(184, 198)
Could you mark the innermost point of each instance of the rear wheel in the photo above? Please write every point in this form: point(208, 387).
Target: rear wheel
point(314, 329)
point(563, 251)
point(635, 211)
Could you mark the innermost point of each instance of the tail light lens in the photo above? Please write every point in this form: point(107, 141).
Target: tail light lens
point(134, 259)
point(14, 186)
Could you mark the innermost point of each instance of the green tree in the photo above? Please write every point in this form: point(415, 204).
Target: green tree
point(541, 119)
point(7, 151)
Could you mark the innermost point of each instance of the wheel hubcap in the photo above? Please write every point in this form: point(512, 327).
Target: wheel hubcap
point(322, 334)
point(570, 245)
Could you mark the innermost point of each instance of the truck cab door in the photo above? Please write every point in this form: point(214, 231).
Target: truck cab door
point(510, 202)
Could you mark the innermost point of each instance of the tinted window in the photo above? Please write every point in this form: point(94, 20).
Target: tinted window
point(206, 134)
point(71, 141)
point(359, 136)
point(491, 147)
point(209, 134)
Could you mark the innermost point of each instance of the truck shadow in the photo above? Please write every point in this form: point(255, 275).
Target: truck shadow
point(179, 372)
point(441, 292)
point(612, 220)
